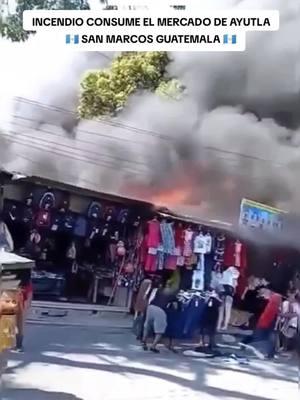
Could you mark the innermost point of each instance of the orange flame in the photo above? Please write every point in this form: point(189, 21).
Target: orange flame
point(171, 197)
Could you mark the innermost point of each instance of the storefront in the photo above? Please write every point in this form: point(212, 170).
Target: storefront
point(199, 259)
point(85, 245)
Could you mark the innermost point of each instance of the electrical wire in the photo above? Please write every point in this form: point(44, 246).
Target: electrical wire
point(69, 155)
point(63, 145)
point(86, 132)
point(231, 161)
point(102, 121)
point(73, 177)
point(146, 132)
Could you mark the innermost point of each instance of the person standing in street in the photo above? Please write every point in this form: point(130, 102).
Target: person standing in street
point(156, 316)
point(26, 294)
point(263, 341)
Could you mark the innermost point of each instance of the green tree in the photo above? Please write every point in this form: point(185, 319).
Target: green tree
point(11, 26)
point(106, 91)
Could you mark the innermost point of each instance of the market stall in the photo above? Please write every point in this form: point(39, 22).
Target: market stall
point(83, 256)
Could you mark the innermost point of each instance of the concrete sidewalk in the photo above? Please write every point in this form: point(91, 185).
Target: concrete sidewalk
point(69, 317)
point(92, 363)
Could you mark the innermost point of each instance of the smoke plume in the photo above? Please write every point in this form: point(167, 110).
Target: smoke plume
point(234, 134)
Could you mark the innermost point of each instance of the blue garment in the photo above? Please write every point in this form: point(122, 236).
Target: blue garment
point(160, 260)
point(167, 236)
point(194, 315)
point(264, 340)
point(208, 268)
point(184, 322)
point(80, 227)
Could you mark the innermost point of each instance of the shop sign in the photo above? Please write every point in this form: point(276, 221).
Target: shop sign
point(254, 215)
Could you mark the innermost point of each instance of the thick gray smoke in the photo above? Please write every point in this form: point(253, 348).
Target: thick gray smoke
point(234, 134)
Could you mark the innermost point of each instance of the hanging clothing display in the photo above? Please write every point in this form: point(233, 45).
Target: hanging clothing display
point(235, 255)
point(179, 239)
point(200, 244)
point(198, 280)
point(168, 246)
point(188, 247)
point(153, 239)
point(219, 250)
point(167, 237)
point(208, 242)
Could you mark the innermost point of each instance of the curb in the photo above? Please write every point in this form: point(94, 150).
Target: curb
point(78, 324)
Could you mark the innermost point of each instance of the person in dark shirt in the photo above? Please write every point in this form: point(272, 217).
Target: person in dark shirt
point(156, 316)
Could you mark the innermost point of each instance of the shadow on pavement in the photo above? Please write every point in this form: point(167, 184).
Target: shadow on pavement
point(59, 347)
point(35, 394)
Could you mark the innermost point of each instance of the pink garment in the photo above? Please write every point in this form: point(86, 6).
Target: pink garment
point(153, 234)
point(188, 249)
point(151, 263)
point(171, 263)
point(237, 253)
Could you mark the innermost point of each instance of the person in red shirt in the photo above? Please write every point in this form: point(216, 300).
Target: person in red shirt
point(264, 333)
point(26, 292)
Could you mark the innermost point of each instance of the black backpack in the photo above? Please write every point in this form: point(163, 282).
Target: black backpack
point(95, 210)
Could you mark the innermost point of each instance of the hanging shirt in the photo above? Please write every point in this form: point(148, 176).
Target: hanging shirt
point(200, 244)
point(235, 254)
point(188, 236)
point(208, 242)
point(167, 237)
point(153, 238)
point(230, 277)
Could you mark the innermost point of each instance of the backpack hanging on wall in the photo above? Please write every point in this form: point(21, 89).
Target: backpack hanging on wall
point(95, 210)
point(43, 219)
point(94, 228)
point(57, 222)
point(64, 206)
point(69, 221)
point(123, 216)
point(27, 215)
point(47, 201)
point(29, 200)
point(110, 214)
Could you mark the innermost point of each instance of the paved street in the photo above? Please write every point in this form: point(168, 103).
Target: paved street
point(93, 363)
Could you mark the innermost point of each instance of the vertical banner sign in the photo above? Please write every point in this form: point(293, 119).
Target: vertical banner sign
point(255, 215)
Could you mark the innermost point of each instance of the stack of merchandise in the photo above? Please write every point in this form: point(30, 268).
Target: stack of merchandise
point(9, 304)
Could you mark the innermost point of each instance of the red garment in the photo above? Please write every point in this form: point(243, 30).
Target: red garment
point(270, 312)
point(171, 263)
point(151, 263)
point(153, 234)
point(179, 237)
point(26, 292)
point(144, 250)
point(235, 255)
